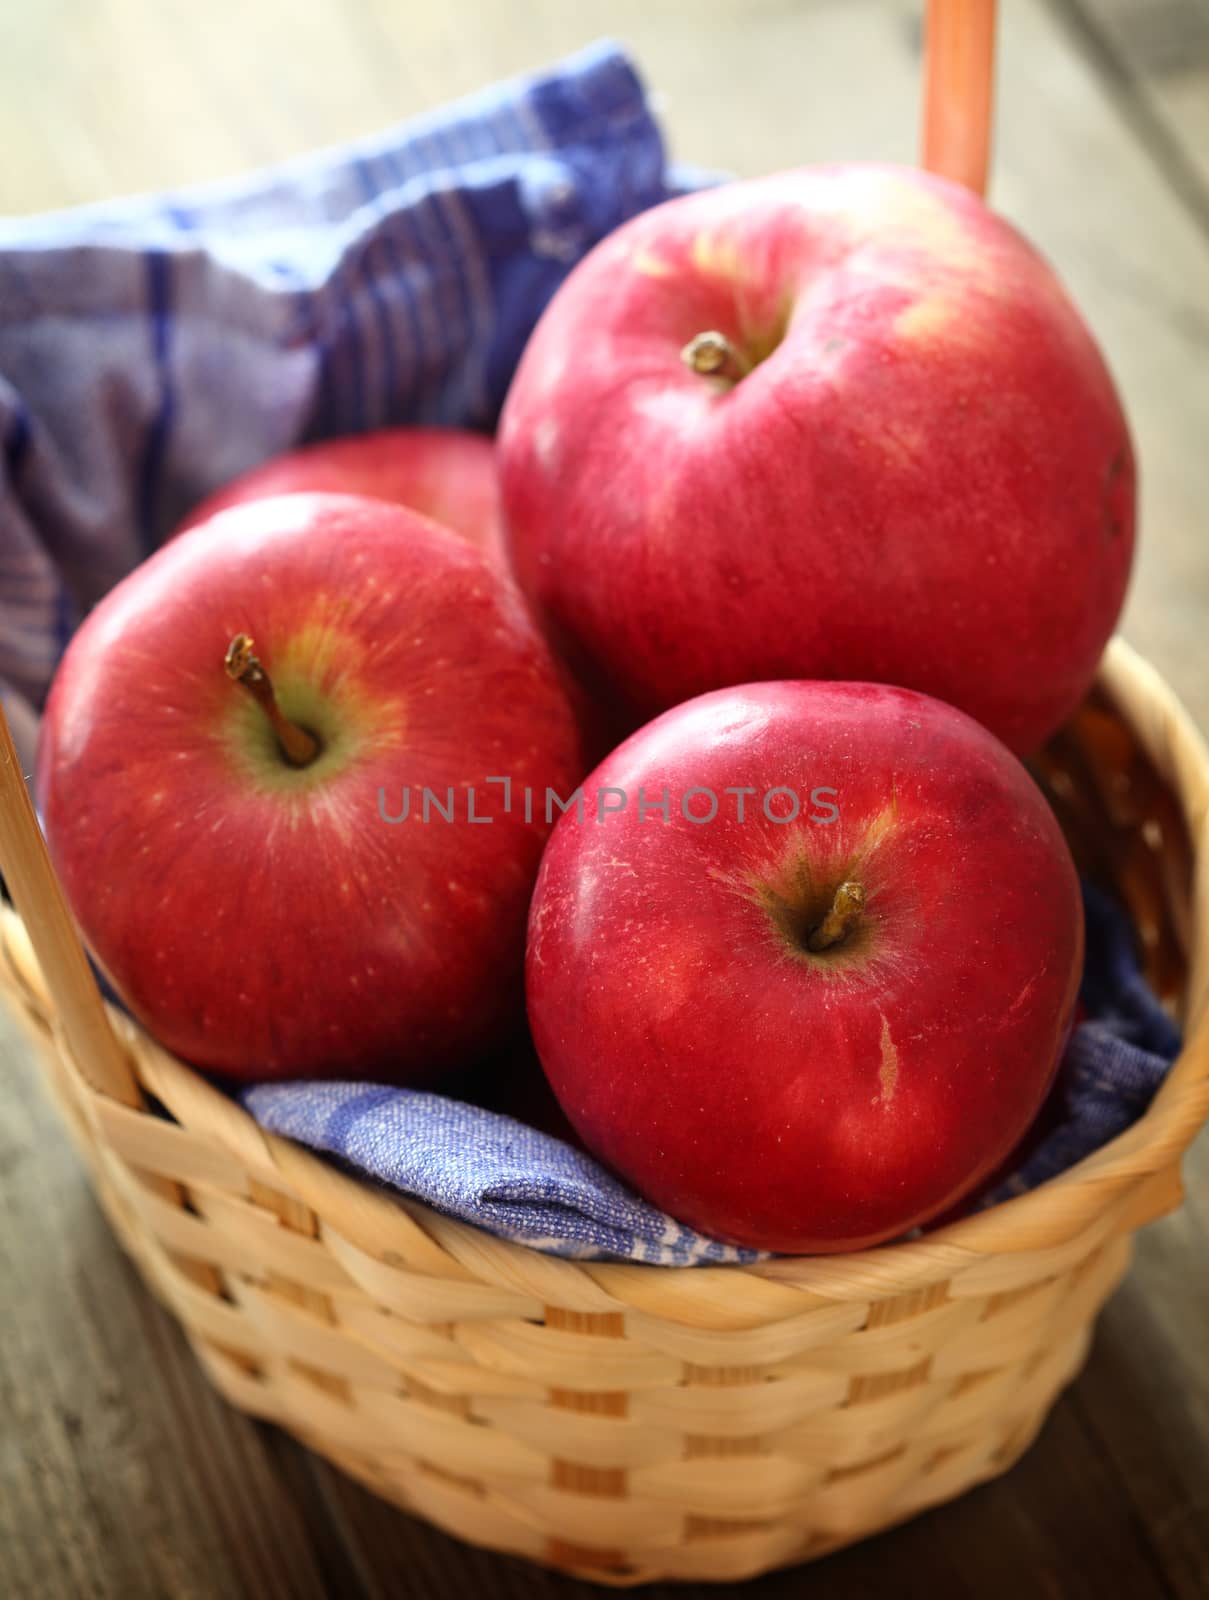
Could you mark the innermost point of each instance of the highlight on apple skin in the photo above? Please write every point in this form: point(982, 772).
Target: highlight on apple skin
point(842, 422)
point(209, 769)
point(799, 1032)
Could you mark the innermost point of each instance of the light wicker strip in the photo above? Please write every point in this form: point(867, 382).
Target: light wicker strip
point(630, 1422)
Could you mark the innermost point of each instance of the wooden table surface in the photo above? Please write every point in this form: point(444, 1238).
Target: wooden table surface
point(121, 1474)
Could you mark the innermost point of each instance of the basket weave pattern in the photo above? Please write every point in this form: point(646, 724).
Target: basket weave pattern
point(628, 1422)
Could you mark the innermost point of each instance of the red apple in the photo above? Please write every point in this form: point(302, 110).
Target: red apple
point(444, 473)
point(820, 1016)
point(243, 889)
point(910, 465)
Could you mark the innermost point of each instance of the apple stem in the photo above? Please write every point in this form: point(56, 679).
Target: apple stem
point(713, 356)
point(244, 668)
point(846, 907)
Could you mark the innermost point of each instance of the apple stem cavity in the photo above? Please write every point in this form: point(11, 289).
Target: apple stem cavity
point(243, 667)
point(846, 907)
point(712, 355)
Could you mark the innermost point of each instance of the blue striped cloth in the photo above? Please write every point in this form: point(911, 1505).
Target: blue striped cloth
point(152, 349)
point(486, 1168)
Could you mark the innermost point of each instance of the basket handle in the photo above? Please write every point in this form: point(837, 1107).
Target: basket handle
point(959, 77)
point(40, 904)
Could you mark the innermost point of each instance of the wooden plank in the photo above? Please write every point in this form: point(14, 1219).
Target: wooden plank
point(1156, 53)
point(1144, 1399)
point(122, 1473)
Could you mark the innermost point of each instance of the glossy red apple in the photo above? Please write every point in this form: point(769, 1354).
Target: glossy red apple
point(444, 473)
point(225, 825)
point(822, 1014)
point(909, 465)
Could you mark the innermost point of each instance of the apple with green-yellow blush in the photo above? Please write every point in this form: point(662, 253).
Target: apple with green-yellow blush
point(226, 740)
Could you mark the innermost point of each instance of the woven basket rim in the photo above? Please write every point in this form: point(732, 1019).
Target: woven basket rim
point(1062, 1209)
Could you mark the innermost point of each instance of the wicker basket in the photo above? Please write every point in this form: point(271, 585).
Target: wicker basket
point(590, 1416)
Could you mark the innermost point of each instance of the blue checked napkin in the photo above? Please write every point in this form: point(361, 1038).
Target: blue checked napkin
point(529, 1186)
point(152, 349)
